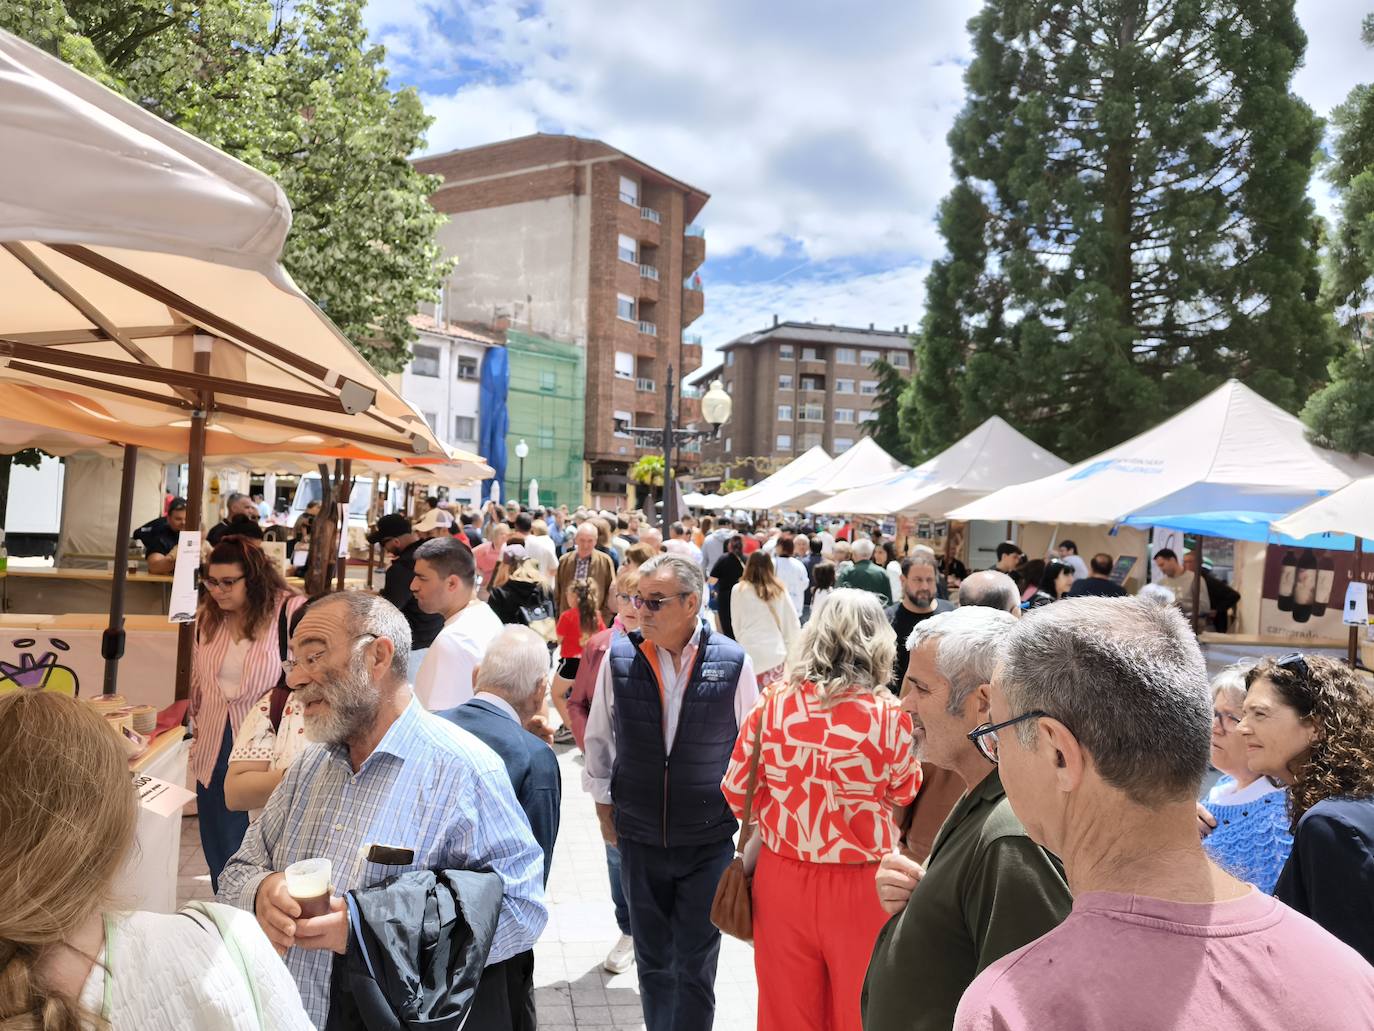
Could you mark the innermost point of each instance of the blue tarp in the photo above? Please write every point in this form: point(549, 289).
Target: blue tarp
point(494, 418)
point(1245, 526)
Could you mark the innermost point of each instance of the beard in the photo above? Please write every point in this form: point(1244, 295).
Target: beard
point(352, 707)
point(921, 599)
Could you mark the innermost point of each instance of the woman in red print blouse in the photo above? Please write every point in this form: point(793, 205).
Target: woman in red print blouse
point(836, 759)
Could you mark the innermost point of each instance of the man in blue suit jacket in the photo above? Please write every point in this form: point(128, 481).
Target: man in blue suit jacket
point(510, 689)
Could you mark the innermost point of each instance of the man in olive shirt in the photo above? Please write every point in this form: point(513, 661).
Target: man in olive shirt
point(987, 888)
point(864, 575)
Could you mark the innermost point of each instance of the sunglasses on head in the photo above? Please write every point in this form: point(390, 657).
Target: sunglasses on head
point(1294, 662)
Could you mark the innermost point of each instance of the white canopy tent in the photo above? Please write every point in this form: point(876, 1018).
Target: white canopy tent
point(803, 465)
point(1348, 513)
point(993, 456)
point(1225, 466)
point(859, 466)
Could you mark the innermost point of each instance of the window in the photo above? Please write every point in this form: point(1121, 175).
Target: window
point(464, 427)
point(899, 360)
point(729, 358)
point(844, 443)
point(629, 190)
point(844, 356)
point(812, 383)
point(546, 441)
point(844, 415)
point(867, 358)
point(844, 386)
point(785, 382)
point(629, 249)
point(784, 442)
point(622, 422)
point(424, 360)
point(810, 354)
point(810, 440)
point(624, 307)
point(624, 365)
point(813, 413)
point(467, 367)
point(785, 352)
point(784, 413)
point(729, 445)
point(868, 387)
point(548, 381)
point(433, 421)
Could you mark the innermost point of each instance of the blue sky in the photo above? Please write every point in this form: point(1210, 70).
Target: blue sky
point(818, 128)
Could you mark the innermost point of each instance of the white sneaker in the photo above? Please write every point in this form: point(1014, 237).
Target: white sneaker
point(621, 956)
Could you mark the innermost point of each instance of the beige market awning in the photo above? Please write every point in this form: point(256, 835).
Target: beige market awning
point(127, 246)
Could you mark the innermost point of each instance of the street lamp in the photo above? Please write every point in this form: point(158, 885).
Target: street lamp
point(522, 451)
point(715, 409)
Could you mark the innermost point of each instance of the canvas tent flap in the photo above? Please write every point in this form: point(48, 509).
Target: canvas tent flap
point(859, 466)
point(122, 239)
point(989, 458)
point(1347, 512)
point(804, 464)
point(1230, 450)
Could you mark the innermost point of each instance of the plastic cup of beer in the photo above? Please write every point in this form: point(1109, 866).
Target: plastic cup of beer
point(308, 883)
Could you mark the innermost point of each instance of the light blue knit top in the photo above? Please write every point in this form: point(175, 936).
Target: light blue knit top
point(1251, 840)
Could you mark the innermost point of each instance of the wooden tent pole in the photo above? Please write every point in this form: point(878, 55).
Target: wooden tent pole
point(112, 641)
point(195, 493)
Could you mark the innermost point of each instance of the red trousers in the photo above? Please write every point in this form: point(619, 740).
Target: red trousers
point(814, 929)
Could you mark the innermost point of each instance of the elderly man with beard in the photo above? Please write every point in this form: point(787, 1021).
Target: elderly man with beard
point(387, 773)
point(987, 888)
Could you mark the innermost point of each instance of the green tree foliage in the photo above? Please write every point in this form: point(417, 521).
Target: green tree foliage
point(885, 427)
point(1129, 225)
point(297, 92)
point(1341, 415)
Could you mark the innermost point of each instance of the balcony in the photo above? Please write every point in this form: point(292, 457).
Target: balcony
point(645, 385)
point(653, 441)
point(689, 392)
point(693, 303)
point(691, 357)
point(648, 272)
point(650, 215)
point(648, 328)
point(693, 249)
point(692, 339)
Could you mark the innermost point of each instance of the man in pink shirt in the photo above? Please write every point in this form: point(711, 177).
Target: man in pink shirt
point(1099, 721)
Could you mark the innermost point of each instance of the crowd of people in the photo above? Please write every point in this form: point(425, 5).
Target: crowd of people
point(977, 800)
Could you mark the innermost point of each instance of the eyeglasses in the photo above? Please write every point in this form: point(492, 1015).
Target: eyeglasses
point(654, 604)
point(223, 584)
point(1294, 662)
point(1225, 722)
point(311, 663)
point(984, 737)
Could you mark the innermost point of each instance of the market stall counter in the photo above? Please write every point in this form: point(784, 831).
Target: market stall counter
point(63, 653)
point(149, 880)
point(80, 590)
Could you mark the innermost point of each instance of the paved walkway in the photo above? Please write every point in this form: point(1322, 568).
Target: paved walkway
point(571, 988)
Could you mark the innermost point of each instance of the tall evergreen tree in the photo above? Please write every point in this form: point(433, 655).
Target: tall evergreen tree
point(296, 91)
point(885, 427)
point(1129, 225)
point(1341, 415)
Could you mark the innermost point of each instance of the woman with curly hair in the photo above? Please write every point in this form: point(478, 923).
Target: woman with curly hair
point(237, 660)
point(1309, 723)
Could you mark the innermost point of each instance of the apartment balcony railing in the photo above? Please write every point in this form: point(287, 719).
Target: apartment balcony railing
point(649, 272)
point(648, 328)
point(650, 215)
point(629, 198)
point(692, 339)
point(694, 230)
point(653, 440)
point(691, 392)
point(645, 385)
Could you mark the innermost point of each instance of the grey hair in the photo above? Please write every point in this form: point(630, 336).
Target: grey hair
point(515, 666)
point(861, 549)
point(968, 644)
point(1157, 594)
point(1232, 681)
point(1127, 678)
point(686, 572)
point(991, 589)
point(373, 614)
point(849, 647)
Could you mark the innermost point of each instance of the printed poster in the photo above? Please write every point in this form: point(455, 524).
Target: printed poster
point(1303, 592)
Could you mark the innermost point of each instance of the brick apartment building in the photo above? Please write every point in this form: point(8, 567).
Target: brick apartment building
point(573, 240)
point(796, 385)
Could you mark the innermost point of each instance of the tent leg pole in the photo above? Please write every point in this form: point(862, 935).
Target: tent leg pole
point(345, 480)
point(195, 493)
point(1197, 587)
point(112, 641)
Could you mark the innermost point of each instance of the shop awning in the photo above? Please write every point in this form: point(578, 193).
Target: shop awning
point(126, 245)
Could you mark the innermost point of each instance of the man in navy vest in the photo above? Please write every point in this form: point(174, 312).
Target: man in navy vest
point(669, 702)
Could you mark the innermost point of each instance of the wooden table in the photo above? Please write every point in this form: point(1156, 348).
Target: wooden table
point(80, 590)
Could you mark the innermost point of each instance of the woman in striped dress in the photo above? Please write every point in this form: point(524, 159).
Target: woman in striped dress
point(237, 661)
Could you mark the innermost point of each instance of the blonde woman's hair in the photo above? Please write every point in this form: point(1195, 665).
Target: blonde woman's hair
point(68, 812)
point(627, 580)
point(848, 648)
